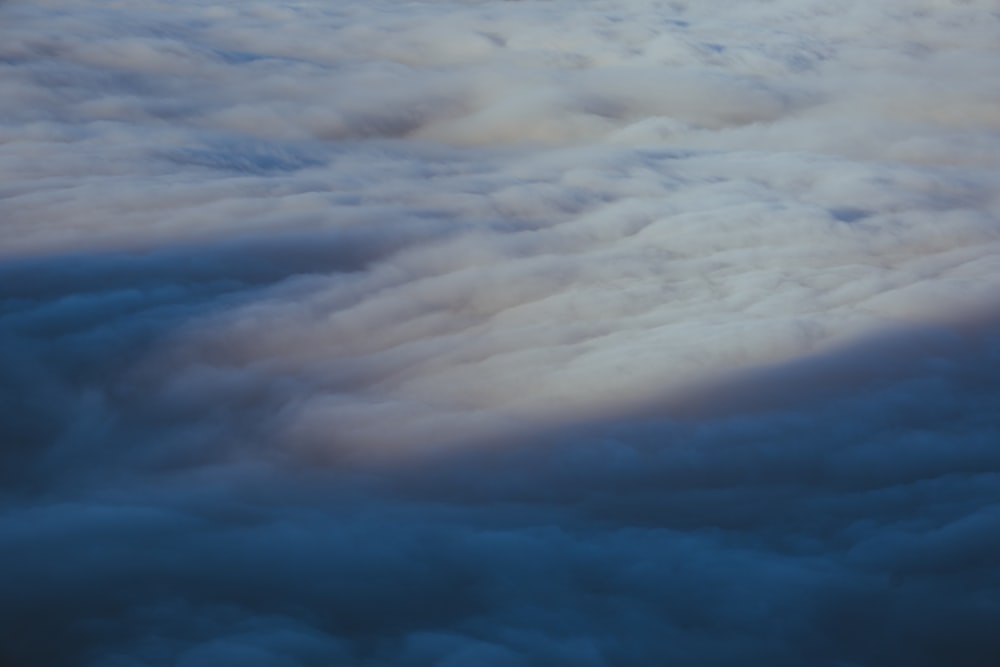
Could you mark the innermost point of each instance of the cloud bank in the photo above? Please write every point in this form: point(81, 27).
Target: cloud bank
point(499, 333)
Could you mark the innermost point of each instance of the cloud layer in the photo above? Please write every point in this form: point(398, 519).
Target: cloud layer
point(499, 333)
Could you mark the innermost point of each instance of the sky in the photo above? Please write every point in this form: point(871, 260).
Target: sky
point(496, 333)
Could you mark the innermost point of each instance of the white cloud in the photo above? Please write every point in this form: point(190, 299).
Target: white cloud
point(643, 196)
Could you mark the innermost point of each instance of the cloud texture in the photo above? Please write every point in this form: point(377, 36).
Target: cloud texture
point(499, 334)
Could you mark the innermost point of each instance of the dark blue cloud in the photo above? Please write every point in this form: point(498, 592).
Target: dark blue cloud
point(72, 326)
point(858, 528)
point(248, 158)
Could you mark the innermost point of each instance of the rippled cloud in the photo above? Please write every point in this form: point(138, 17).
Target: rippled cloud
point(499, 333)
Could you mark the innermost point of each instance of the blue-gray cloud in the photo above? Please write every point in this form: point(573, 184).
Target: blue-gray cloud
point(492, 333)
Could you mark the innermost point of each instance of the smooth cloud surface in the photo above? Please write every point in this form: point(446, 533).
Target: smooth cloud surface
point(499, 333)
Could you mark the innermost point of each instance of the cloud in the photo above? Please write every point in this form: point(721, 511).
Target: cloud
point(853, 528)
point(498, 333)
